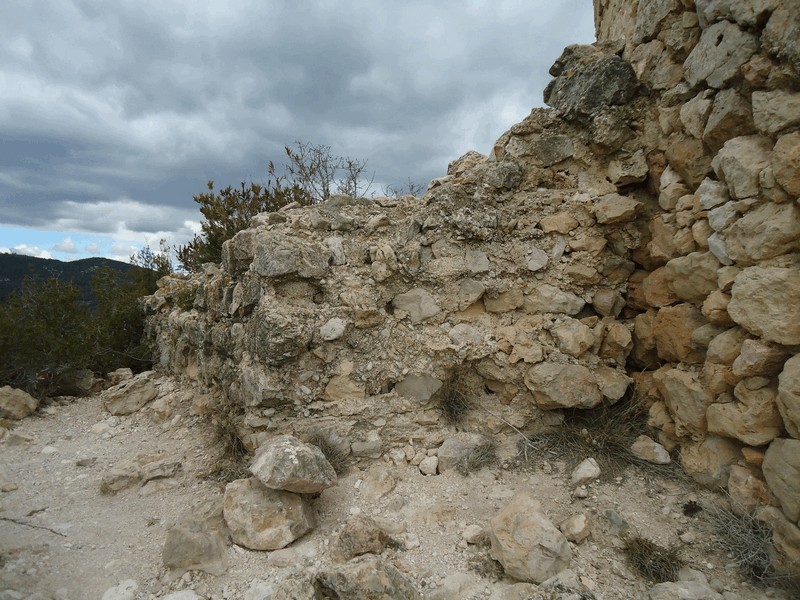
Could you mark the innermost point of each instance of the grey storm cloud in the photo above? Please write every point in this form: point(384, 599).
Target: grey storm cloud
point(108, 104)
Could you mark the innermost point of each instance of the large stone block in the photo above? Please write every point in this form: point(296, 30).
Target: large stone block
point(285, 463)
point(765, 232)
point(673, 329)
point(16, 404)
point(781, 469)
point(789, 395)
point(754, 419)
point(693, 277)
point(687, 400)
point(776, 110)
point(556, 385)
point(764, 301)
point(526, 542)
point(741, 161)
point(786, 163)
point(722, 50)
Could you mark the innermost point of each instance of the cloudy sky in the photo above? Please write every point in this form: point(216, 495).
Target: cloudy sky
point(114, 113)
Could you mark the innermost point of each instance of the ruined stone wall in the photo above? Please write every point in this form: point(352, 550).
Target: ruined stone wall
point(648, 223)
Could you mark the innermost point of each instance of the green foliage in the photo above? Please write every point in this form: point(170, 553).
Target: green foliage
point(45, 330)
point(310, 176)
point(48, 329)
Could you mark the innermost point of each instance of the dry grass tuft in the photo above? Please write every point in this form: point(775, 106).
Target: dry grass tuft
point(485, 566)
point(483, 455)
point(334, 452)
point(748, 542)
point(453, 400)
point(651, 561)
point(233, 457)
point(605, 432)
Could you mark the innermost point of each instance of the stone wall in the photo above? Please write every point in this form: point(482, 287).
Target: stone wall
point(649, 222)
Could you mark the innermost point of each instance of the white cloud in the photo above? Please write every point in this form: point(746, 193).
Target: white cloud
point(31, 251)
point(67, 246)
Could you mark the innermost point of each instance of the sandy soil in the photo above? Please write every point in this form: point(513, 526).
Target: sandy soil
point(61, 538)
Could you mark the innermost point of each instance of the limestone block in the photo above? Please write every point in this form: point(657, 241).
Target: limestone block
point(722, 50)
point(781, 469)
point(786, 163)
point(607, 302)
point(588, 470)
point(741, 161)
point(747, 489)
point(721, 217)
point(276, 336)
point(715, 308)
point(686, 398)
point(617, 343)
point(759, 358)
point(764, 232)
point(469, 292)
point(718, 247)
point(689, 157)
point(576, 528)
point(418, 303)
point(709, 462)
point(536, 260)
point(748, 13)
point(650, 450)
point(776, 110)
point(420, 388)
point(129, 396)
point(673, 329)
point(613, 383)
point(789, 395)
point(650, 15)
point(286, 463)
point(504, 302)
point(549, 299)
point(615, 208)
point(196, 544)
point(694, 113)
point(260, 518)
point(731, 116)
point(526, 542)
point(333, 329)
point(367, 576)
point(573, 337)
point(764, 301)
point(657, 290)
point(780, 34)
point(360, 535)
point(725, 347)
point(556, 385)
point(561, 222)
point(16, 404)
point(754, 419)
point(692, 278)
point(631, 170)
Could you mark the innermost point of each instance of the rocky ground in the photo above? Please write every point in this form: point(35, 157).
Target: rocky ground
point(61, 538)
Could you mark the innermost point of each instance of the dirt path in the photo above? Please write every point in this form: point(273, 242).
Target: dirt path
point(61, 538)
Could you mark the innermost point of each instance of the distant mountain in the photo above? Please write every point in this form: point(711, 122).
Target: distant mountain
point(15, 267)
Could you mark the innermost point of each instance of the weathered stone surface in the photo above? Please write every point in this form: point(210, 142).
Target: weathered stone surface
point(752, 12)
point(672, 331)
point(754, 419)
point(608, 302)
point(693, 277)
point(615, 208)
point(420, 388)
point(781, 469)
point(196, 544)
point(731, 116)
point(682, 590)
point(613, 383)
point(573, 337)
point(277, 337)
point(286, 463)
point(758, 358)
point(617, 343)
point(360, 535)
point(764, 301)
point(725, 347)
point(576, 528)
point(504, 301)
point(650, 15)
point(277, 256)
point(418, 303)
point(686, 398)
point(650, 450)
point(333, 329)
point(689, 157)
point(469, 292)
point(549, 299)
point(715, 308)
point(789, 395)
point(722, 50)
point(765, 232)
point(695, 112)
point(786, 163)
point(776, 110)
point(631, 170)
point(588, 470)
point(709, 462)
point(16, 404)
point(741, 161)
point(455, 449)
point(657, 290)
point(556, 385)
point(129, 396)
point(365, 577)
point(260, 518)
point(526, 543)
point(588, 81)
point(780, 34)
